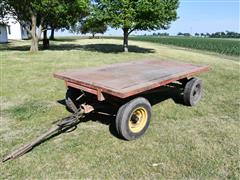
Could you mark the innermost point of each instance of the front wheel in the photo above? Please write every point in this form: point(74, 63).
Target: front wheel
point(133, 118)
point(72, 94)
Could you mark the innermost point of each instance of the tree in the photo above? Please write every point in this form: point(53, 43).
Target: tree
point(90, 25)
point(67, 15)
point(4, 8)
point(131, 15)
point(180, 34)
point(163, 34)
point(196, 34)
point(63, 16)
point(33, 14)
point(187, 34)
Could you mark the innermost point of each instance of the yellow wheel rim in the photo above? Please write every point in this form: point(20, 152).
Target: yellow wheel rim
point(138, 119)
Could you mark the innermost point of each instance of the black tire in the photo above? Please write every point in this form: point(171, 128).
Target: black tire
point(72, 94)
point(133, 118)
point(183, 81)
point(192, 92)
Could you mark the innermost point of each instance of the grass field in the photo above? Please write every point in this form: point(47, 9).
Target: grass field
point(223, 46)
point(201, 142)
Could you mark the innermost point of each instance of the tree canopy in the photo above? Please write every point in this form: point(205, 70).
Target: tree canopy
point(131, 15)
point(90, 25)
point(66, 14)
point(3, 11)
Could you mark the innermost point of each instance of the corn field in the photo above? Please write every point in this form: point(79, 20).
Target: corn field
point(222, 46)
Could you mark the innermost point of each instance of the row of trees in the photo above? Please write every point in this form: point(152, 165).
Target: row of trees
point(160, 34)
point(183, 34)
point(227, 34)
point(38, 16)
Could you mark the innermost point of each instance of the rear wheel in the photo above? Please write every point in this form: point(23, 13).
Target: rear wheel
point(133, 118)
point(192, 92)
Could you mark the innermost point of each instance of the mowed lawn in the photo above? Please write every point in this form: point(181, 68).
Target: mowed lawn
point(182, 142)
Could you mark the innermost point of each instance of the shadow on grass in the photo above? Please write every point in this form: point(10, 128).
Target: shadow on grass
point(70, 39)
point(9, 47)
point(172, 91)
point(104, 48)
point(114, 48)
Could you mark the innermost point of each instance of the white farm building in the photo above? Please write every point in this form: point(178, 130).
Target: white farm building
point(12, 30)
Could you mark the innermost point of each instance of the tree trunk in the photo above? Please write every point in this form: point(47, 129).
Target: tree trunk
point(125, 39)
point(34, 44)
point(52, 34)
point(45, 39)
point(45, 34)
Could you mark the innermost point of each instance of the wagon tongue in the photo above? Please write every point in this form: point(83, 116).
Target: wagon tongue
point(61, 126)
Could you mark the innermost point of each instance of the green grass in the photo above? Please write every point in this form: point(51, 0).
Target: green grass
point(200, 142)
point(222, 46)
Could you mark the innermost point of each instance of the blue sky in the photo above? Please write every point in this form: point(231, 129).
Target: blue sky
point(198, 16)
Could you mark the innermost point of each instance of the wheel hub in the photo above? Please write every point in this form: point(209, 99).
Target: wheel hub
point(135, 118)
point(138, 120)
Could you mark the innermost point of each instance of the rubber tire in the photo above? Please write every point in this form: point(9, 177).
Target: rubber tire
point(188, 95)
point(124, 114)
point(183, 81)
point(73, 94)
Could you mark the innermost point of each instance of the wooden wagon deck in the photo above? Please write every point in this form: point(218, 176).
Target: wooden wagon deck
point(127, 79)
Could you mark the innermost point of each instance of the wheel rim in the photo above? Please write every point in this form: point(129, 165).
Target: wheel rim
point(196, 92)
point(138, 120)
